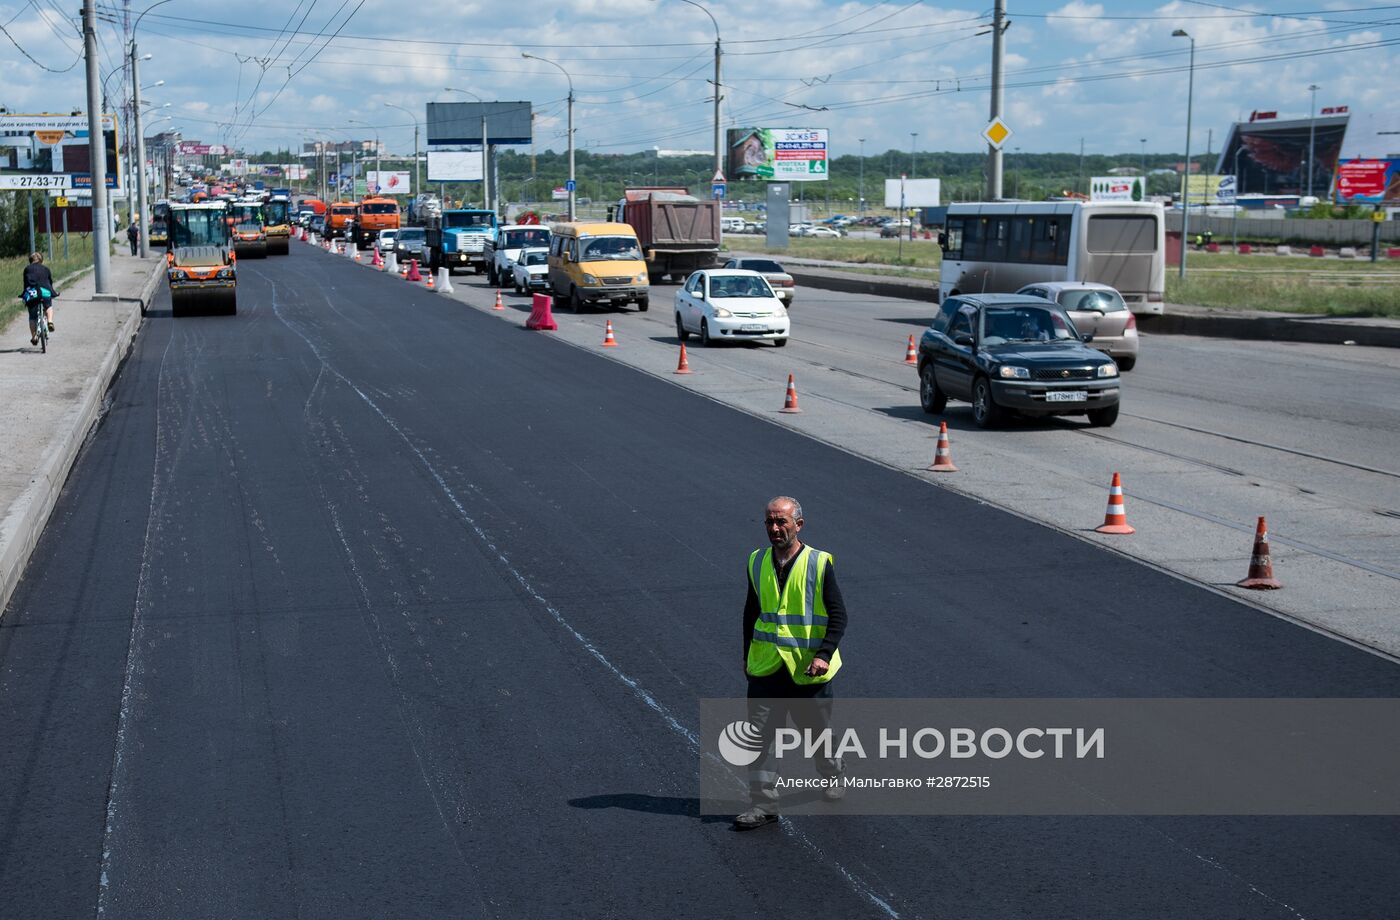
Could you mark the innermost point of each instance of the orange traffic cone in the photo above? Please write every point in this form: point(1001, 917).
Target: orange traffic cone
point(499, 305)
point(430, 281)
point(1261, 564)
point(684, 366)
point(608, 340)
point(943, 454)
point(911, 355)
point(790, 400)
point(1115, 519)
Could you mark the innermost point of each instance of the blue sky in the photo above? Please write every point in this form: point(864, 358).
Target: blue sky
point(1109, 73)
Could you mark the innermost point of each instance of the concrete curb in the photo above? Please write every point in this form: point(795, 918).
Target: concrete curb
point(1321, 330)
point(26, 518)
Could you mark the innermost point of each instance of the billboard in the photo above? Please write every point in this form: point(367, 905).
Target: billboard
point(1116, 188)
point(1368, 181)
point(389, 183)
point(49, 145)
point(454, 166)
point(1210, 190)
point(916, 193)
point(778, 154)
point(196, 149)
point(456, 124)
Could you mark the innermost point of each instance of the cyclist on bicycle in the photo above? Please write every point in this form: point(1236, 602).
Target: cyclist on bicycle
point(38, 292)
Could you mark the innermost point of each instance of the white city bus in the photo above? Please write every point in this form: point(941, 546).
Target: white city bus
point(999, 248)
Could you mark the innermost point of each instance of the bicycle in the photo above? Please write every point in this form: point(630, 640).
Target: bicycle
point(41, 306)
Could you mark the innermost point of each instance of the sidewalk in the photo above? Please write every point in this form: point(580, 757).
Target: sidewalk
point(55, 397)
point(1179, 319)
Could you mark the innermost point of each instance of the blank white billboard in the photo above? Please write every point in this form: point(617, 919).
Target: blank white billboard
point(918, 193)
point(454, 166)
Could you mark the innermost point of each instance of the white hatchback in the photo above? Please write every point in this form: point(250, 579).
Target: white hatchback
point(730, 305)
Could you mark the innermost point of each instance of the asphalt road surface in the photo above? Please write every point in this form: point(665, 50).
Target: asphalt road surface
point(365, 604)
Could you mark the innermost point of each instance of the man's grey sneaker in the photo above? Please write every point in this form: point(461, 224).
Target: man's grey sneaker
point(754, 818)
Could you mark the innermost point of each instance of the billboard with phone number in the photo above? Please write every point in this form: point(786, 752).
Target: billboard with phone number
point(778, 154)
point(49, 145)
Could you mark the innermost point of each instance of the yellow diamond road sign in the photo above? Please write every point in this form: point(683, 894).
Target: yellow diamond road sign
point(996, 133)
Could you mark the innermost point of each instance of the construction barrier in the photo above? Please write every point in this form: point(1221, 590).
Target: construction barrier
point(444, 285)
point(541, 313)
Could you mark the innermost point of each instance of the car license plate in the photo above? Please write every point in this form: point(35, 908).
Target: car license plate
point(752, 327)
point(1066, 396)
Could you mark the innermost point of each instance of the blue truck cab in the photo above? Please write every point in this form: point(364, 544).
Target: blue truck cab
point(457, 238)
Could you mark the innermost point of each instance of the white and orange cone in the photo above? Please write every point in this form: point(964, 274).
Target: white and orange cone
point(943, 454)
point(608, 340)
point(684, 366)
point(499, 305)
point(911, 354)
point(1261, 563)
point(1115, 519)
point(790, 398)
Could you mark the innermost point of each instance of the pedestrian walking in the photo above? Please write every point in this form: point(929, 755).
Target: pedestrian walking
point(133, 235)
point(38, 294)
point(794, 618)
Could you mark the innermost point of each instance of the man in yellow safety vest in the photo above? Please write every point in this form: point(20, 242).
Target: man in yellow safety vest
point(794, 618)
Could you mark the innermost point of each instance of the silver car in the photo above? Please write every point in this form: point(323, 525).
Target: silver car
point(778, 278)
point(1097, 310)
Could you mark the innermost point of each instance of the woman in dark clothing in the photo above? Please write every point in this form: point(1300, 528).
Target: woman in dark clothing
point(39, 292)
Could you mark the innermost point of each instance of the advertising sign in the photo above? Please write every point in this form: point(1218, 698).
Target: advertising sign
point(49, 145)
point(560, 194)
point(456, 124)
point(1116, 188)
point(915, 193)
point(389, 183)
point(1209, 190)
point(779, 154)
point(454, 166)
point(196, 149)
point(1368, 181)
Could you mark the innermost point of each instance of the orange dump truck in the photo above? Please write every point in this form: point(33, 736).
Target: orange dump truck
point(342, 214)
point(373, 215)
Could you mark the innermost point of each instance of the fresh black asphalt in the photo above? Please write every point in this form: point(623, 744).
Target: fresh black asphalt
point(365, 604)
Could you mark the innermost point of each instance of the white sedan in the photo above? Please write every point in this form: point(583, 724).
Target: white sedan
point(730, 305)
point(530, 272)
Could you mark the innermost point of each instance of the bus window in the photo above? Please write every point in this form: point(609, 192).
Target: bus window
point(1122, 233)
point(955, 239)
point(994, 247)
point(1021, 230)
point(974, 232)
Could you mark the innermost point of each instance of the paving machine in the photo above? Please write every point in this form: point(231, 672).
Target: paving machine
point(199, 261)
point(247, 221)
point(277, 214)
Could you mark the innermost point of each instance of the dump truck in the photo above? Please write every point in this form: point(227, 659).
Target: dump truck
point(246, 220)
point(457, 238)
point(277, 213)
point(338, 221)
point(200, 263)
point(373, 215)
point(679, 233)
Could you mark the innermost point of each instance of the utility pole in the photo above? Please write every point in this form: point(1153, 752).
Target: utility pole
point(485, 165)
point(998, 62)
point(1081, 165)
point(719, 149)
point(97, 152)
point(141, 221)
point(1312, 134)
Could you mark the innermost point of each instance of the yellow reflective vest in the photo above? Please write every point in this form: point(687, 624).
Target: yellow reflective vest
point(791, 623)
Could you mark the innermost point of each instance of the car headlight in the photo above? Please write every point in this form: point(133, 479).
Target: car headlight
point(1108, 370)
point(589, 279)
point(641, 279)
point(1020, 373)
point(721, 313)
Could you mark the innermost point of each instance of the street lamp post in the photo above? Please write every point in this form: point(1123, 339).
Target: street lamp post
point(913, 139)
point(719, 150)
point(1312, 135)
point(485, 150)
point(1186, 166)
point(142, 223)
point(417, 186)
point(1235, 224)
point(572, 182)
point(861, 182)
point(1143, 142)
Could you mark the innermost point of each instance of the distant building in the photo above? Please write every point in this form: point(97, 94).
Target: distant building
point(1273, 153)
point(667, 154)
